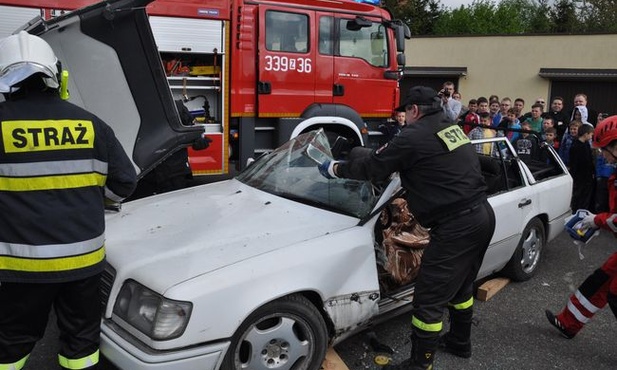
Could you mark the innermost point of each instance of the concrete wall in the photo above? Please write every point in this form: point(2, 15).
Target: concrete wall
point(509, 65)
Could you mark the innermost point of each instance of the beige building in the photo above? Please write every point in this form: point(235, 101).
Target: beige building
point(529, 66)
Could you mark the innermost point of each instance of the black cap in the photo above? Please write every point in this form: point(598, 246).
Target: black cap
point(419, 95)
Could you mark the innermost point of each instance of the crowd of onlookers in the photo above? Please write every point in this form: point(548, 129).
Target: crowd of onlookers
point(568, 132)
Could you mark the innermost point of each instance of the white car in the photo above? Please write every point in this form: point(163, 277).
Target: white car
point(266, 270)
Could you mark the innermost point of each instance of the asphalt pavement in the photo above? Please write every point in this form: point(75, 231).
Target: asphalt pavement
point(512, 331)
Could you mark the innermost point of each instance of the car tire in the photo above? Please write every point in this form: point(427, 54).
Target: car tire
point(526, 258)
point(289, 333)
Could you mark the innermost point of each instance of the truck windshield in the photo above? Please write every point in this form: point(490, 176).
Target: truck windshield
point(368, 43)
point(291, 172)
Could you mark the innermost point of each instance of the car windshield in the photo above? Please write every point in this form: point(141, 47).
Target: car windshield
point(291, 172)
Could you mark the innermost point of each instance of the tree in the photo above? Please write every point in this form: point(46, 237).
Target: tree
point(599, 15)
point(563, 17)
point(482, 17)
point(419, 15)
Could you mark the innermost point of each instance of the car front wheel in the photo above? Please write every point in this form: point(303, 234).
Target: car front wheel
point(287, 334)
point(524, 262)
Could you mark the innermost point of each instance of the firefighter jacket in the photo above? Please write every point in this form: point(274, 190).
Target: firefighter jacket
point(58, 163)
point(437, 164)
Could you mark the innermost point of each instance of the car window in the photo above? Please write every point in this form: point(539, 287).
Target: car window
point(286, 32)
point(546, 166)
point(290, 173)
point(500, 170)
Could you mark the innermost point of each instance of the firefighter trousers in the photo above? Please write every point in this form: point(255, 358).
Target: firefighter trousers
point(449, 268)
point(24, 313)
point(591, 296)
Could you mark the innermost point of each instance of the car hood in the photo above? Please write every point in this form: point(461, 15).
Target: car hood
point(167, 239)
point(115, 72)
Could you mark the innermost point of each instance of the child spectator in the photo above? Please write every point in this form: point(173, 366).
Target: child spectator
point(550, 136)
point(527, 145)
point(484, 131)
point(483, 105)
point(478, 131)
point(547, 124)
point(392, 127)
point(470, 119)
point(604, 170)
point(566, 142)
point(510, 125)
point(495, 115)
point(535, 120)
point(581, 169)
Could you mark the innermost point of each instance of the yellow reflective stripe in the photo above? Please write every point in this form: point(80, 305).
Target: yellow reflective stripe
point(52, 182)
point(463, 305)
point(79, 363)
point(15, 365)
point(52, 264)
point(45, 135)
point(436, 327)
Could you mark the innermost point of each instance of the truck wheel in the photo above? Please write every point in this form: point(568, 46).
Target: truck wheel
point(286, 334)
point(526, 258)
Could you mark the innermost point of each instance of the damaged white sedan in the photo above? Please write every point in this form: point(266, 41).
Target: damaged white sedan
point(266, 270)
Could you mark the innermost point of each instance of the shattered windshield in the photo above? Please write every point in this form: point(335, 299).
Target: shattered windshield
point(291, 172)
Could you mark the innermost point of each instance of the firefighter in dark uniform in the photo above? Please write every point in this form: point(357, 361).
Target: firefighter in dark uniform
point(58, 165)
point(446, 192)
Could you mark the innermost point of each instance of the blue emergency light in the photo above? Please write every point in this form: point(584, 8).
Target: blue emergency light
point(372, 2)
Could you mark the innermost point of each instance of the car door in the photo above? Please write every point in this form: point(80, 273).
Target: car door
point(116, 73)
point(360, 65)
point(515, 202)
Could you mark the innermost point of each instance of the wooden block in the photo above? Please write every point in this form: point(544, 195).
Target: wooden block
point(491, 287)
point(333, 361)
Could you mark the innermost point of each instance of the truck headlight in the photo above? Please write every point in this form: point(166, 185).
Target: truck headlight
point(151, 313)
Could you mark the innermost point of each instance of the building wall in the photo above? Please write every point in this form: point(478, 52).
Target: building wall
point(509, 65)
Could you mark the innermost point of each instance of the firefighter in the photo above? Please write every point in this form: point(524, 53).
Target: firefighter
point(58, 165)
point(446, 192)
point(600, 287)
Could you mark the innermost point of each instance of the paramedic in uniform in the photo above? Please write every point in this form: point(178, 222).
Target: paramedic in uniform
point(446, 192)
point(599, 288)
point(58, 163)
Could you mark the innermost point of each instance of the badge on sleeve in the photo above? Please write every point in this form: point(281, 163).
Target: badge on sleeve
point(453, 137)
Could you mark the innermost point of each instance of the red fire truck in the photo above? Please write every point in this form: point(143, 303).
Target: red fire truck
point(253, 71)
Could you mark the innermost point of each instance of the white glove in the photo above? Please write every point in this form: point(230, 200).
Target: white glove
point(588, 222)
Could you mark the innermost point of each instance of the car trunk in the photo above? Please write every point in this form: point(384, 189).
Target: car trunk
point(115, 72)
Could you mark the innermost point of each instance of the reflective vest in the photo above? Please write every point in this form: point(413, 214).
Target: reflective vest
point(57, 163)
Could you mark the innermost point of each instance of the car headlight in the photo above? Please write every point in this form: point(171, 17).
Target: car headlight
point(151, 313)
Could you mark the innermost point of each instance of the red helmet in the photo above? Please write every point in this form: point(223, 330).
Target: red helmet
point(605, 132)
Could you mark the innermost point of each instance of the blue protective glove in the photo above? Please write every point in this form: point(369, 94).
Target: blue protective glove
point(326, 169)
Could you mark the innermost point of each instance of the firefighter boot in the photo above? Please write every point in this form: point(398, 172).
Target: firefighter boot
point(422, 355)
point(457, 340)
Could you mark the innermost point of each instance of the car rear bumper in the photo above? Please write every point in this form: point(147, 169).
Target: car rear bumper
point(127, 355)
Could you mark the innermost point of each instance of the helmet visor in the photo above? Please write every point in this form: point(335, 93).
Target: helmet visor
point(16, 73)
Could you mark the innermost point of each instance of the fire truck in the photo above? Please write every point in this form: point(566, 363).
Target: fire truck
point(254, 72)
